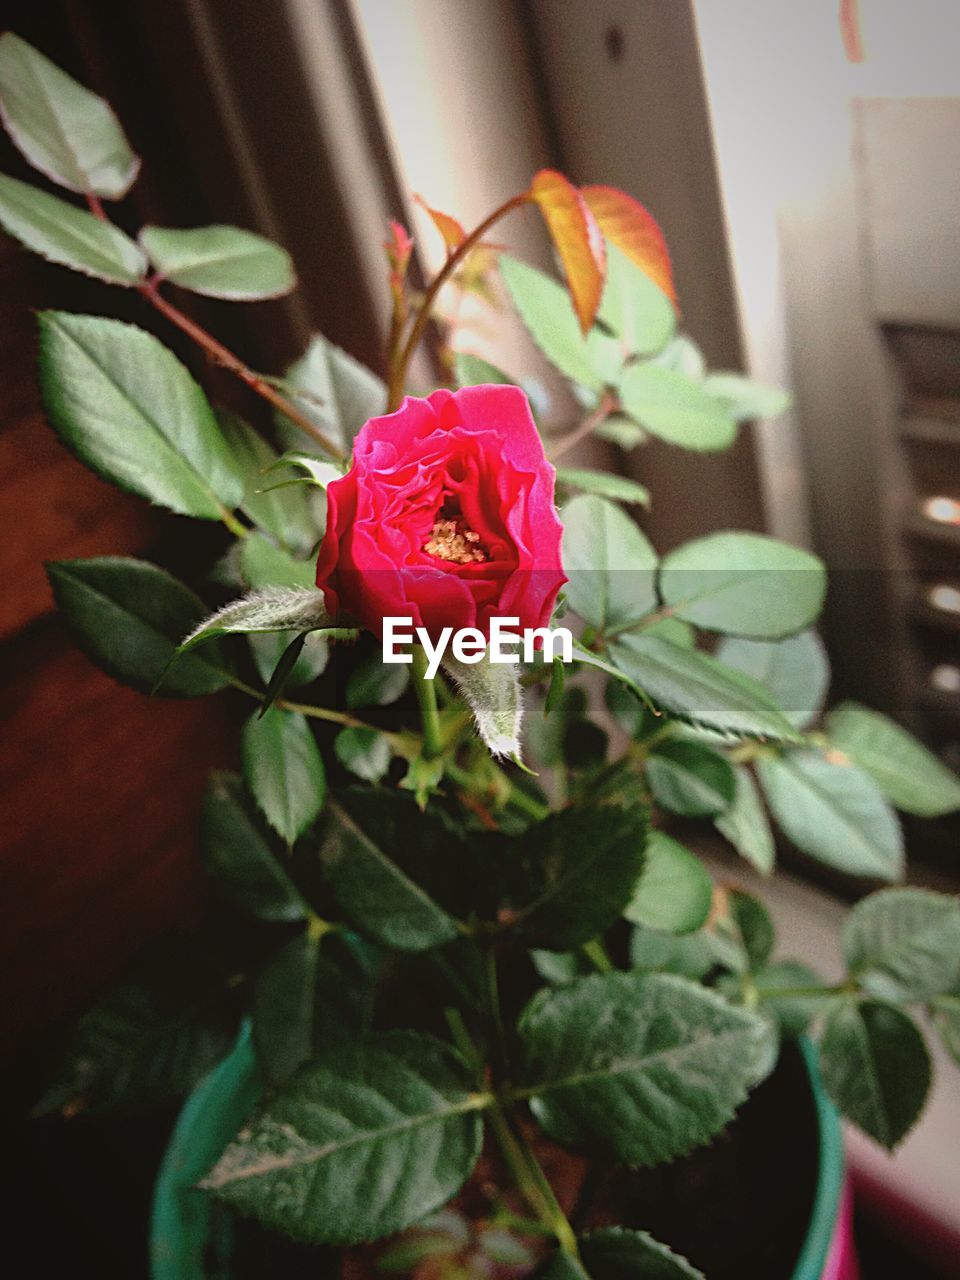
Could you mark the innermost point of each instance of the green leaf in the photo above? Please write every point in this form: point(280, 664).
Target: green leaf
point(753, 925)
point(239, 857)
point(689, 955)
point(365, 1141)
point(587, 862)
point(130, 410)
point(689, 779)
point(683, 356)
point(185, 1227)
point(284, 513)
point(610, 563)
point(645, 1066)
point(744, 399)
point(474, 371)
point(283, 768)
point(495, 696)
point(148, 1038)
point(639, 313)
point(375, 683)
point(697, 688)
point(909, 775)
point(743, 583)
point(544, 307)
point(366, 850)
point(365, 752)
point(273, 609)
point(63, 129)
point(796, 671)
point(876, 1068)
point(617, 1253)
point(71, 237)
point(560, 967)
point(945, 1012)
point(606, 484)
point(313, 991)
point(669, 405)
point(620, 430)
point(904, 944)
point(339, 395)
point(834, 813)
point(265, 565)
point(547, 735)
point(269, 648)
point(128, 617)
point(674, 892)
point(793, 1013)
point(745, 823)
point(220, 262)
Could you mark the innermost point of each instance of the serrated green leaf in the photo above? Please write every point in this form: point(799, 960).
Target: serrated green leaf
point(696, 687)
point(285, 513)
point(374, 849)
point(365, 752)
point(283, 768)
point(220, 262)
point(674, 892)
point(876, 1068)
point(544, 307)
point(909, 775)
point(904, 944)
point(669, 405)
point(834, 813)
point(753, 925)
point(313, 990)
point(689, 955)
point(339, 395)
point(689, 779)
point(186, 1231)
point(273, 609)
point(587, 862)
point(474, 371)
point(945, 1012)
point(148, 1038)
point(64, 130)
point(795, 671)
point(363, 1142)
point(71, 237)
point(130, 410)
point(744, 399)
point(616, 1253)
point(128, 617)
point(375, 683)
point(632, 306)
point(269, 647)
point(745, 823)
point(265, 565)
point(546, 736)
point(610, 564)
point(743, 584)
point(239, 857)
point(604, 483)
point(646, 1067)
point(495, 696)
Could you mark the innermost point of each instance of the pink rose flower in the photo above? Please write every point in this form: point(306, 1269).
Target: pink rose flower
point(446, 516)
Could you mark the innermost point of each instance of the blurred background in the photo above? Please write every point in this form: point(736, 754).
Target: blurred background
point(805, 174)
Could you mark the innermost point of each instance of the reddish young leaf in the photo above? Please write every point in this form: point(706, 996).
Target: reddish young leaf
point(451, 230)
point(628, 225)
point(399, 247)
point(577, 237)
point(850, 30)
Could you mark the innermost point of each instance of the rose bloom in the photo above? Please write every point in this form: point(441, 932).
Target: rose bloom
point(446, 517)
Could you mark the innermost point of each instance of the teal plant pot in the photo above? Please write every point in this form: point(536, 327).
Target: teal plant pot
point(189, 1232)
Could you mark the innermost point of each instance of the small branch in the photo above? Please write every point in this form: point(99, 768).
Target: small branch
point(327, 714)
point(399, 366)
point(608, 404)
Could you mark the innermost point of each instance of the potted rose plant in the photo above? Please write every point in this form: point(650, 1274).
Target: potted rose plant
point(485, 998)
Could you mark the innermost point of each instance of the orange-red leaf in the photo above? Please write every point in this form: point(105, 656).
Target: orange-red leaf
point(577, 237)
point(399, 247)
point(451, 230)
point(628, 225)
point(850, 30)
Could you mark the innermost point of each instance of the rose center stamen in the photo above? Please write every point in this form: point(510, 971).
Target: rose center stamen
point(452, 539)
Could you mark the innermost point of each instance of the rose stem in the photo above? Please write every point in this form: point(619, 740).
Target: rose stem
point(427, 700)
point(221, 355)
point(608, 403)
point(401, 360)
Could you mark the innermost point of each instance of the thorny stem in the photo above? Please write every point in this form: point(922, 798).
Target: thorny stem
point(427, 701)
point(607, 405)
point(402, 357)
